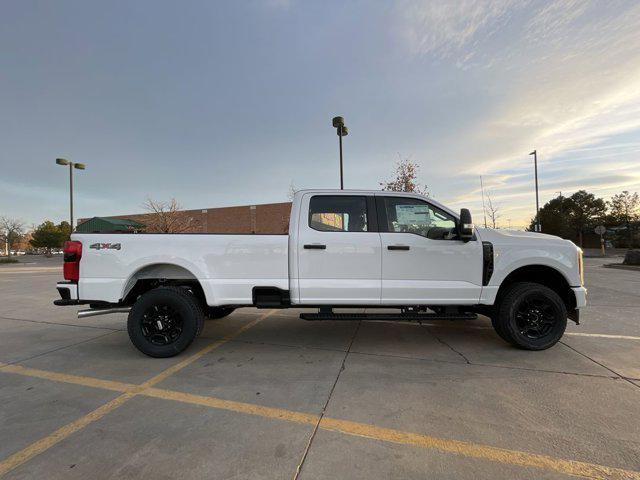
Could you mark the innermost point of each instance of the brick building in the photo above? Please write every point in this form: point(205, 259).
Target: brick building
point(264, 218)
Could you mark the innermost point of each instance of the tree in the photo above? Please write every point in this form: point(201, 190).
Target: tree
point(584, 210)
point(492, 211)
point(553, 217)
point(47, 235)
point(405, 178)
point(11, 230)
point(167, 217)
point(625, 208)
point(65, 230)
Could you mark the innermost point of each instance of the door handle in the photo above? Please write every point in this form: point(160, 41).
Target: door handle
point(315, 246)
point(398, 247)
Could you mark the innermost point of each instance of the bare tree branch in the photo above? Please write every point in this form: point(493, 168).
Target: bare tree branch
point(492, 211)
point(292, 191)
point(168, 217)
point(11, 231)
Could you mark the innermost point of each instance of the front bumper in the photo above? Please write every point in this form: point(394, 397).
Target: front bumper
point(581, 296)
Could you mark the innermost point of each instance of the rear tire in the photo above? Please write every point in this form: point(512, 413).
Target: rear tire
point(164, 321)
point(531, 316)
point(214, 313)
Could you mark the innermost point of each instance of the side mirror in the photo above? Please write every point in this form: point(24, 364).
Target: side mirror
point(465, 227)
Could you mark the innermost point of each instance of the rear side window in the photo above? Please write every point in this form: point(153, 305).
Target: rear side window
point(338, 213)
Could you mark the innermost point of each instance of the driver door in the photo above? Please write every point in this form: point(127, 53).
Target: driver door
point(423, 261)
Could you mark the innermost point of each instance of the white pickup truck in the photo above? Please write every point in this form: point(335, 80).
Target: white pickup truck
point(345, 248)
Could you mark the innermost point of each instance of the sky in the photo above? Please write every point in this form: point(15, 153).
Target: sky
point(229, 103)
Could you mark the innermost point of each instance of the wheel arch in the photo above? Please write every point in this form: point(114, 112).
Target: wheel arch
point(153, 275)
point(544, 275)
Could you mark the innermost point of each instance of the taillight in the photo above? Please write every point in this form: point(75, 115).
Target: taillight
point(72, 254)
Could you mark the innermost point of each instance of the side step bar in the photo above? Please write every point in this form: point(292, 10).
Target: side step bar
point(389, 317)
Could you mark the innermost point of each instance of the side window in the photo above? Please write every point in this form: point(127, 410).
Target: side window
point(338, 213)
point(410, 215)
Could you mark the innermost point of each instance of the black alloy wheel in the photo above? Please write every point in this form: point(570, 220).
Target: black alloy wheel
point(161, 325)
point(536, 316)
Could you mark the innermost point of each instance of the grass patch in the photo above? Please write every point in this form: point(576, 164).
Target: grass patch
point(8, 260)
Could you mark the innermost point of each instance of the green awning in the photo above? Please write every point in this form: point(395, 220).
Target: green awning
point(109, 225)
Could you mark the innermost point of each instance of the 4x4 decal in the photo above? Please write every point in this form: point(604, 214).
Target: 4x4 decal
point(108, 246)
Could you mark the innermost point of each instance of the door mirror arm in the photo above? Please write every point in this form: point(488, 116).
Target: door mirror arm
point(465, 225)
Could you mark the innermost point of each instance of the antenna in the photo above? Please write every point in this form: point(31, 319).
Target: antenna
point(484, 210)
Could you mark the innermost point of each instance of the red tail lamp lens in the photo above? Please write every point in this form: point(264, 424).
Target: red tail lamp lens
point(72, 254)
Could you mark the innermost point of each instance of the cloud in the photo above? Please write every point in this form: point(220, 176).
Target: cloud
point(564, 78)
point(580, 82)
point(445, 28)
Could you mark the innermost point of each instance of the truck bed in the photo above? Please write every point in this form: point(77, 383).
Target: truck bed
point(227, 266)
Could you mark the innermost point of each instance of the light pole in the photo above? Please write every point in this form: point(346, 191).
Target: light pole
point(562, 223)
point(560, 196)
point(535, 163)
point(342, 131)
point(79, 166)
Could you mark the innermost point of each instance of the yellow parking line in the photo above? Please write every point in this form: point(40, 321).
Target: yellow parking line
point(131, 391)
point(241, 407)
point(494, 454)
point(602, 335)
point(64, 377)
point(49, 441)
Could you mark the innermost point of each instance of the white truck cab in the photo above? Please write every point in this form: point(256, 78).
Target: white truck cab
point(345, 248)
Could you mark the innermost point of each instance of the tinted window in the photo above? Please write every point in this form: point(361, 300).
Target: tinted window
point(338, 213)
point(410, 215)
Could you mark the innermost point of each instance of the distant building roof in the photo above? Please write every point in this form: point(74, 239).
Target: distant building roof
point(109, 225)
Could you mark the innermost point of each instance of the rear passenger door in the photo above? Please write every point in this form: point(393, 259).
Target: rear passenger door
point(339, 250)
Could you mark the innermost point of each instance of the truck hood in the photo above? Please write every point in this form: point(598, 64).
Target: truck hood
point(519, 237)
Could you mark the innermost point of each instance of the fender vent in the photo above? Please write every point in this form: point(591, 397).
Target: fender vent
point(487, 262)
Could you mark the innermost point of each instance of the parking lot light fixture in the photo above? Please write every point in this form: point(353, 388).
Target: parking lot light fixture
point(342, 131)
point(535, 166)
point(80, 166)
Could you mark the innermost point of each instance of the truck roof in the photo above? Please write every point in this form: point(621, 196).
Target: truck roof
point(336, 191)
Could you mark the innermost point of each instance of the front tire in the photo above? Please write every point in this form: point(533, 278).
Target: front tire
point(164, 321)
point(531, 316)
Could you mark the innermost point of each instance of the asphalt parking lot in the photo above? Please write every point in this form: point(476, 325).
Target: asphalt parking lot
point(263, 394)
